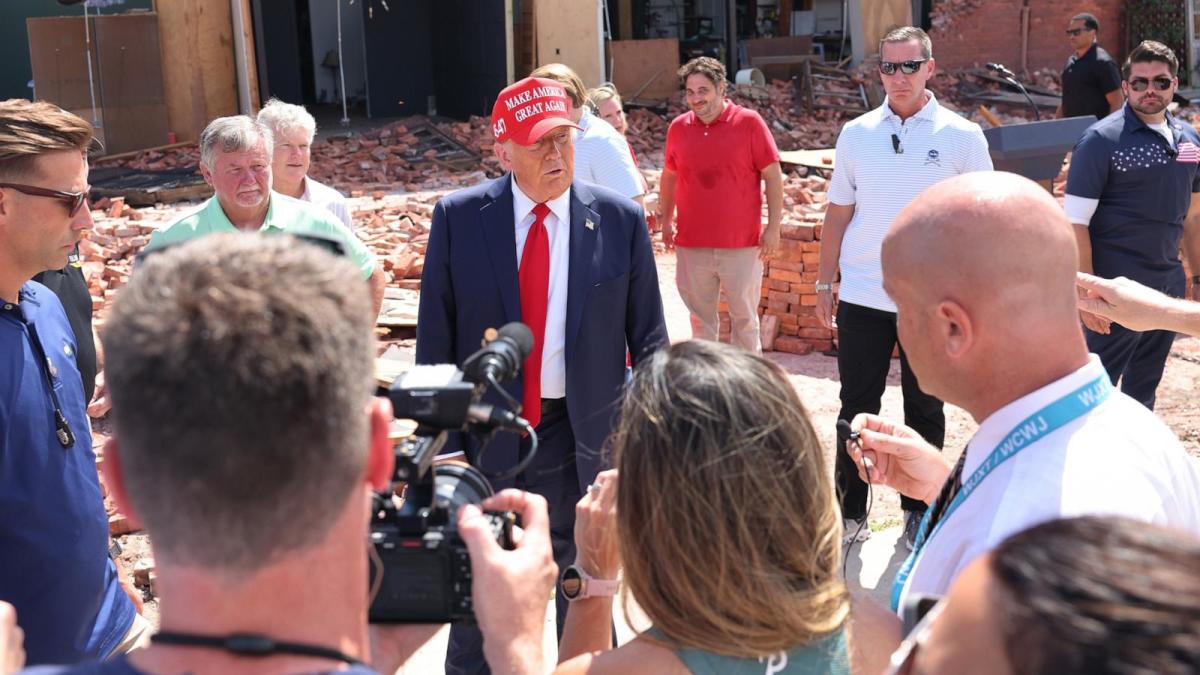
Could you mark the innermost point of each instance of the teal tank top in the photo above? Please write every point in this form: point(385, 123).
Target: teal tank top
point(827, 656)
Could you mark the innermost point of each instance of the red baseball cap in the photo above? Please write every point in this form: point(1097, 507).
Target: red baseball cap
point(527, 109)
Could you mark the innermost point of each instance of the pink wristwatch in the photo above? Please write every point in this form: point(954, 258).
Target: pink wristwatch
point(577, 584)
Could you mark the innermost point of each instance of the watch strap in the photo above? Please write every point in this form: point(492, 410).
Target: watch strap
point(595, 588)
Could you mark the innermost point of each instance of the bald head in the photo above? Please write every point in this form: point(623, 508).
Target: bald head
point(991, 240)
point(982, 269)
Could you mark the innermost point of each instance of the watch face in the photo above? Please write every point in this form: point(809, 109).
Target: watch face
point(571, 583)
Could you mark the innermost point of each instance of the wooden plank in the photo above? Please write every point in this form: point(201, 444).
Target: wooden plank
point(251, 57)
point(879, 17)
point(649, 65)
point(758, 49)
point(817, 159)
point(131, 79)
point(200, 82)
point(568, 31)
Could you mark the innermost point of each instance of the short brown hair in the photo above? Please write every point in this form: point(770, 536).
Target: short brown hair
point(1149, 52)
point(563, 75)
point(29, 129)
point(906, 33)
point(240, 367)
point(726, 518)
point(707, 66)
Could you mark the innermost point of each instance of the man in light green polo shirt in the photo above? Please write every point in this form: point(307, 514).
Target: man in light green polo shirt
point(235, 159)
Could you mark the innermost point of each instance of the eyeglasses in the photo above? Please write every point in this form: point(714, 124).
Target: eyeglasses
point(1139, 84)
point(1074, 32)
point(906, 67)
point(73, 200)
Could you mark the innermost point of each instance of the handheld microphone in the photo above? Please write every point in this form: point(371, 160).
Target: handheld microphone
point(845, 433)
point(501, 358)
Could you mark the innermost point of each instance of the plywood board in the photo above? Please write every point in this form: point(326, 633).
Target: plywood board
point(197, 60)
point(56, 53)
point(131, 81)
point(568, 31)
point(766, 48)
point(879, 17)
point(647, 65)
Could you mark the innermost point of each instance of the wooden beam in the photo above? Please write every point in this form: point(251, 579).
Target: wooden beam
point(195, 41)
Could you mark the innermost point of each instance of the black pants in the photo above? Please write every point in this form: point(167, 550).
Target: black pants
point(1136, 359)
point(552, 475)
point(865, 340)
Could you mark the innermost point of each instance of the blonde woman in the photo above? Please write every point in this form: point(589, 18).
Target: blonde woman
point(725, 523)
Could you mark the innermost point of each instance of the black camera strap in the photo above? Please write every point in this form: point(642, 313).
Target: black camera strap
point(251, 644)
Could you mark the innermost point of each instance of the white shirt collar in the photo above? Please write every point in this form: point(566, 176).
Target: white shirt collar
point(306, 196)
point(560, 206)
point(996, 426)
point(927, 111)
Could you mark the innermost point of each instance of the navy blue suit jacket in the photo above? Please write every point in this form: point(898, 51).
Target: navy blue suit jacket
point(469, 284)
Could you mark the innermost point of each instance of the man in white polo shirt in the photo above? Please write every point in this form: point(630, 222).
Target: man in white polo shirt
point(602, 155)
point(982, 270)
point(884, 159)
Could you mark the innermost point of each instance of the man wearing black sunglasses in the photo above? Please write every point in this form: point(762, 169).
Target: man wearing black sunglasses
point(1130, 196)
point(1091, 81)
point(54, 565)
point(885, 158)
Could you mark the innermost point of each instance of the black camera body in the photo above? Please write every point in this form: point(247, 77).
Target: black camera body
point(421, 571)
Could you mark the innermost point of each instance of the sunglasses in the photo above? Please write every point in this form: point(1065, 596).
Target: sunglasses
point(73, 200)
point(906, 67)
point(1075, 32)
point(1139, 84)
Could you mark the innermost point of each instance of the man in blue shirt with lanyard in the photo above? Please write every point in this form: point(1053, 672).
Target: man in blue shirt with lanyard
point(54, 565)
point(997, 334)
point(1130, 197)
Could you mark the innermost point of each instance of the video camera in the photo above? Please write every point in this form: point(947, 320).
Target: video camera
point(421, 571)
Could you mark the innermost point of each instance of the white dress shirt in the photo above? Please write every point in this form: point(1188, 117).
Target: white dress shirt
point(331, 200)
point(1117, 459)
point(558, 226)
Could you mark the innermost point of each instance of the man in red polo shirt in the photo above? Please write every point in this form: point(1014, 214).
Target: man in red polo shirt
point(717, 154)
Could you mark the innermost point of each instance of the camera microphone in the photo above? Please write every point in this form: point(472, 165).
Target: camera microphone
point(491, 417)
point(501, 358)
point(1001, 69)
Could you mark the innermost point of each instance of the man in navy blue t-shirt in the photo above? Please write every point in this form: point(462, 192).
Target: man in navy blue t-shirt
point(54, 563)
point(1130, 196)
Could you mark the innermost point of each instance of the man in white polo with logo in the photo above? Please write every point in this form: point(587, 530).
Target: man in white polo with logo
point(884, 159)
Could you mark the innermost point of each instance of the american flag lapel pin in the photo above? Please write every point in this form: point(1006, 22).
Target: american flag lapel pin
point(587, 222)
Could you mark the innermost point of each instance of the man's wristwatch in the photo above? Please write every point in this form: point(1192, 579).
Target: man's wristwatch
point(577, 584)
point(823, 287)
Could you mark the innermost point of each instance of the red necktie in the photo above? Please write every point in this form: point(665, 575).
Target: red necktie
point(534, 279)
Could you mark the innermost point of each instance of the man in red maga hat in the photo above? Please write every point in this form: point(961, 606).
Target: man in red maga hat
point(572, 261)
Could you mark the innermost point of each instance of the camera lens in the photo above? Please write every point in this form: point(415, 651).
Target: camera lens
point(456, 485)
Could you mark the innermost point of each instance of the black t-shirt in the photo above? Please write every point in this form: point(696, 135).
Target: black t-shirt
point(1085, 82)
point(72, 290)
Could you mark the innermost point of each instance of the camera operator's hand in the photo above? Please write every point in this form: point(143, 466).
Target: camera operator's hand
point(12, 641)
point(894, 455)
point(511, 588)
point(596, 549)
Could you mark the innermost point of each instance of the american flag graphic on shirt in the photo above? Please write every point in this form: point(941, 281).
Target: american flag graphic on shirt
point(1188, 153)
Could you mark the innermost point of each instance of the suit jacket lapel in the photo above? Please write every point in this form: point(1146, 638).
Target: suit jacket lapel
point(585, 227)
point(499, 233)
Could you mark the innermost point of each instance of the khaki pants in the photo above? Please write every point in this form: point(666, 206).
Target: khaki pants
point(701, 274)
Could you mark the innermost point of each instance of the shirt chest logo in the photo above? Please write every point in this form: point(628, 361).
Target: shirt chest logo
point(933, 157)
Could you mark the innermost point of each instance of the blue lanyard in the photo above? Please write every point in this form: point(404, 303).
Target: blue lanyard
point(1029, 431)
